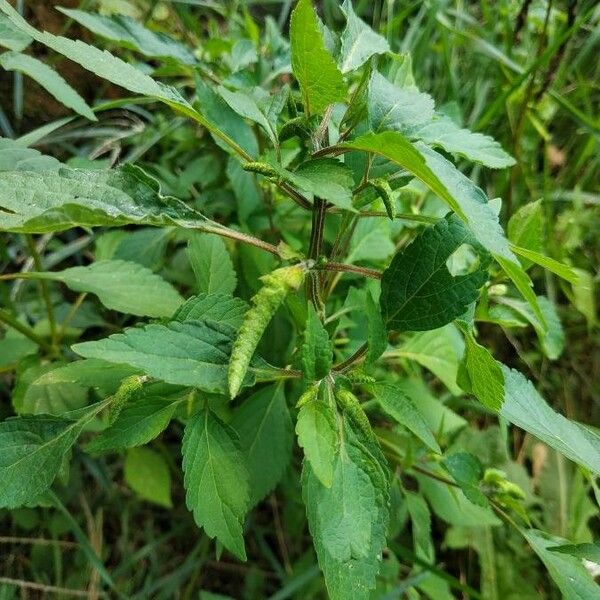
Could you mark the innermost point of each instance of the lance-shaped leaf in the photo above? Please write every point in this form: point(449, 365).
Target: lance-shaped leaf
point(211, 264)
point(418, 292)
point(321, 82)
point(317, 349)
point(49, 79)
point(120, 285)
point(216, 479)
point(348, 520)
point(523, 406)
point(359, 41)
point(127, 32)
point(11, 37)
point(264, 427)
point(194, 353)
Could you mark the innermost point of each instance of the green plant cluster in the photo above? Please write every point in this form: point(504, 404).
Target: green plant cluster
point(256, 311)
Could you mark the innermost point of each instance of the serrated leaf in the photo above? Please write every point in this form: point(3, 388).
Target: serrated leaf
point(264, 427)
point(317, 433)
point(222, 308)
point(321, 82)
point(317, 349)
point(359, 41)
point(49, 79)
point(120, 285)
point(194, 353)
point(147, 474)
point(443, 132)
point(128, 33)
point(418, 292)
point(31, 454)
point(485, 374)
point(211, 264)
point(216, 479)
point(396, 108)
point(571, 577)
point(348, 520)
point(401, 408)
point(328, 179)
point(523, 406)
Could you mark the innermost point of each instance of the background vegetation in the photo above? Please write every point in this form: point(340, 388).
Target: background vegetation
point(525, 72)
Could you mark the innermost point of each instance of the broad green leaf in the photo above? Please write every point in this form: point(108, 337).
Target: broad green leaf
point(194, 353)
point(359, 41)
point(348, 520)
point(264, 427)
point(420, 519)
point(317, 349)
point(120, 285)
point(377, 339)
point(140, 421)
point(485, 375)
point(128, 33)
point(211, 264)
point(49, 79)
point(11, 37)
point(589, 551)
point(523, 406)
point(31, 454)
point(401, 408)
point(372, 240)
point(213, 307)
point(467, 471)
point(526, 227)
point(147, 474)
point(216, 479)
point(396, 108)
point(317, 433)
point(15, 156)
point(443, 132)
point(145, 246)
point(13, 347)
point(328, 179)
point(265, 302)
point(569, 574)
point(418, 292)
point(321, 82)
point(439, 351)
point(58, 200)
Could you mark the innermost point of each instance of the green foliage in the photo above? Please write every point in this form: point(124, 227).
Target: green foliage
point(305, 283)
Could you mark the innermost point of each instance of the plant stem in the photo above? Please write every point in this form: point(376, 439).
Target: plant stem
point(346, 364)
point(37, 261)
point(344, 268)
point(240, 237)
point(8, 319)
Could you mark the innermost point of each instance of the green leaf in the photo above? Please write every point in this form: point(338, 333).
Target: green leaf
point(120, 285)
point(317, 349)
point(401, 408)
point(439, 351)
point(194, 353)
point(11, 37)
point(140, 421)
point(371, 241)
point(359, 41)
point(348, 520)
point(377, 338)
point(15, 156)
point(467, 471)
point(563, 271)
point(420, 519)
point(265, 431)
point(317, 433)
point(128, 33)
point(418, 292)
point(266, 301)
point(589, 551)
point(49, 79)
point(321, 82)
point(485, 374)
point(58, 200)
point(211, 264)
point(147, 474)
point(523, 406)
point(31, 455)
point(443, 132)
point(526, 227)
point(216, 479)
point(571, 577)
point(213, 307)
point(396, 108)
point(13, 347)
